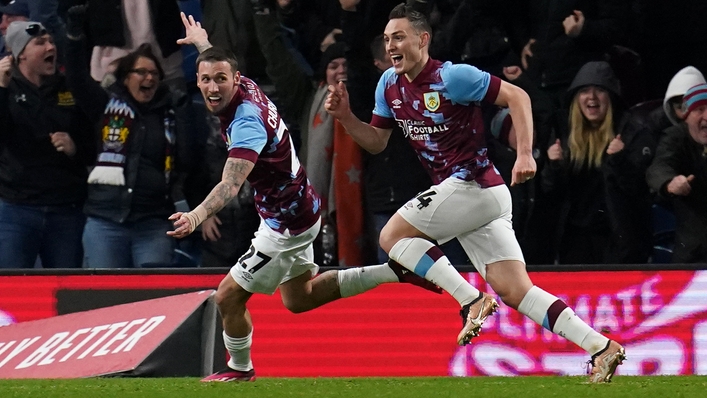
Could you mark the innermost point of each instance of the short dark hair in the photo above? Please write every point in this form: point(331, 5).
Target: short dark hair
point(416, 18)
point(127, 63)
point(215, 54)
point(378, 48)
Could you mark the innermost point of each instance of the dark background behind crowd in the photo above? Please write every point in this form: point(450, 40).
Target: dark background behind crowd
point(96, 152)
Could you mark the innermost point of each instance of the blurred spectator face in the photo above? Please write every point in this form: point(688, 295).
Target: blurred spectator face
point(143, 80)
point(676, 104)
point(8, 19)
point(381, 58)
point(39, 56)
point(594, 102)
point(404, 46)
point(336, 71)
point(218, 84)
point(384, 63)
point(697, 124)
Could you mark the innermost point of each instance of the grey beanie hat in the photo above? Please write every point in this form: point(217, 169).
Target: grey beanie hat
point(17, 36)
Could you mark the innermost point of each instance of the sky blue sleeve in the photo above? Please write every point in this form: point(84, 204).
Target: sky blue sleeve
point(465, 83)
point(247, 129)
point(382, 109)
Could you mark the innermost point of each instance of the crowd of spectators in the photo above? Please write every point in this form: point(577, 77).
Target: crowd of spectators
point(103, 132)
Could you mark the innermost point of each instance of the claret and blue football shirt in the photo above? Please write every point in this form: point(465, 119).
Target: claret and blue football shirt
point(439, 114)
point(254, 131)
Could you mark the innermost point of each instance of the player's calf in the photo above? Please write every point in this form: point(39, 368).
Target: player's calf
point(406, 276)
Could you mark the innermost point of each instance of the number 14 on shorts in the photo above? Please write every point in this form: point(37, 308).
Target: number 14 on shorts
point(425, 199)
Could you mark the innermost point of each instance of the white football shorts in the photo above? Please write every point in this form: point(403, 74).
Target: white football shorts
point(479, 217)
point(275, 258)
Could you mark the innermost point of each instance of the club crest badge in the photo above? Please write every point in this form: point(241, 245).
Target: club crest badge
point(431, 101)
point(65, 99)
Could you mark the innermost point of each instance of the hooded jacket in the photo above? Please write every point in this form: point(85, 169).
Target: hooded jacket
point(597, 73)
point(685, 79)
point(615, 196)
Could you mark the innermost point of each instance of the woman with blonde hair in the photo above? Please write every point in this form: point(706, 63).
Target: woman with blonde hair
point(599, 174)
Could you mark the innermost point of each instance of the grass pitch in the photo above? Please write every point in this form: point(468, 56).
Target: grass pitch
point(565, 387)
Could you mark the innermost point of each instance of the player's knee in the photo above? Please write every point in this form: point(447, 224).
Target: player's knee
point(295, 306)
point(387, 239)
point(229, 299)
point(223, 299)
point(510, 294)
point(510, 299)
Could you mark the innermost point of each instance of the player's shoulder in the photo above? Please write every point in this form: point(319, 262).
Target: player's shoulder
point(449, 71)
point(389, 77)
point(247, 110)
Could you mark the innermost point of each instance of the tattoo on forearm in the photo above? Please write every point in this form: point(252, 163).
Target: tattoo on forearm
point(235, 172)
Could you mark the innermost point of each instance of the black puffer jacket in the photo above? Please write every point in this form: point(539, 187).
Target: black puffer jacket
point(32, 171)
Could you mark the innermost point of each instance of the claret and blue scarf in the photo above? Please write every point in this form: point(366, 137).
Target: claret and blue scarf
point(118, 119)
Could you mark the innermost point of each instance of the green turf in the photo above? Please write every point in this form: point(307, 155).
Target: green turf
point(488, 387)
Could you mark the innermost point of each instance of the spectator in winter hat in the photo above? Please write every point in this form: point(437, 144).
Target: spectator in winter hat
point(686, 78)
point(679, 174)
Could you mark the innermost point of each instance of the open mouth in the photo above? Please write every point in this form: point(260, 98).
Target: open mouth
point(147, 89)
point(396, 59)
point(49, 59)
point(593, 107)
point(214, 100)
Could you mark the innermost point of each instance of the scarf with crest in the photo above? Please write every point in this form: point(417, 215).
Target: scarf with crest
point(118, 119)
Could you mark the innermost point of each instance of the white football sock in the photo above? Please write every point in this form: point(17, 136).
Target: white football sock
point(554, 315)
point(239, 349)
point(353, 281)
point(428, 261)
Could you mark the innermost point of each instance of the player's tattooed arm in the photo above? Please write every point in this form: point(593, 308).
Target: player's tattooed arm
point(234, 175)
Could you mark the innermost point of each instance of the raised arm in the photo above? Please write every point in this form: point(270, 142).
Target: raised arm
point(194, 34)
point(372, 139)
point(46, 13)
point(5, 76)
point(292, 83)
point(234, 175)
point(89, 94)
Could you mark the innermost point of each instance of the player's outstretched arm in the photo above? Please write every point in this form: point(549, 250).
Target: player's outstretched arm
point(518, 102)
point(234, 175)
point(372, 139)
point(194, 34)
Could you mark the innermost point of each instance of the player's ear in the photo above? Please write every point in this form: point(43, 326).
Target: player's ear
point(236, 78)
point(424, 39)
